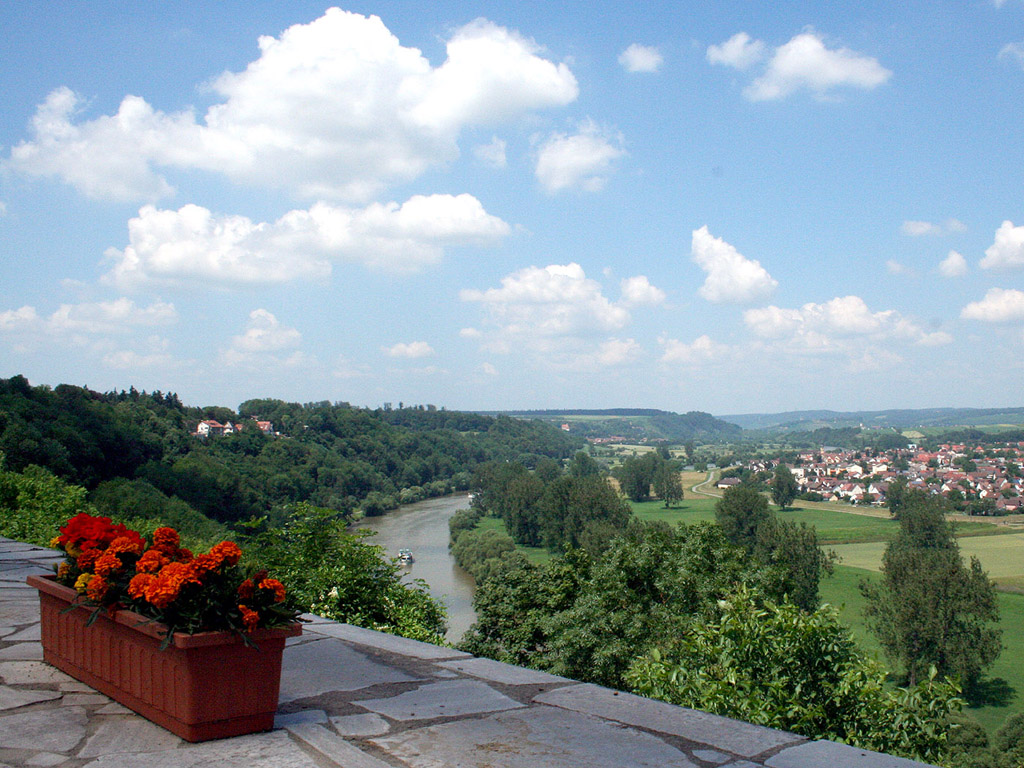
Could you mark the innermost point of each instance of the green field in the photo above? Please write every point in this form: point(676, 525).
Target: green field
point(1001, 556)
point(1004, 681)
point(833, 527)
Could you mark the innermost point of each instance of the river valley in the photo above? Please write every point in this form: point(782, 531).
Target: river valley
point(423, 528)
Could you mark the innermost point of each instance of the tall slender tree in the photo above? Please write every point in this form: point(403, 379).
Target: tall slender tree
point(929, 609)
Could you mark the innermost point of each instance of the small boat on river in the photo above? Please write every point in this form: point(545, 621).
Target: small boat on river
point(405, 556)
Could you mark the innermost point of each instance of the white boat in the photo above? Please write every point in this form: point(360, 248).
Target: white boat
point(405, 556)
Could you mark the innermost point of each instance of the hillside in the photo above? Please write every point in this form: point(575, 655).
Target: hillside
point(133, 447)
point(637, 424)
point(947, 418)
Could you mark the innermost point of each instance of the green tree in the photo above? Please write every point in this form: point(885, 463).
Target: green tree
point(342, 576)
point(740, 512)
point(571, 506)
point(583, 465)
point(775, 665)
point(929, 609)
point(792, 551)
point(784, 487)
point(667, 483)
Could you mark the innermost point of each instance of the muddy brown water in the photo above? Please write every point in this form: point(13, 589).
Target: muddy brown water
point(423, 528)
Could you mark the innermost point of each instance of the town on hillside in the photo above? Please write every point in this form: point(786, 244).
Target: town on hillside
point(213, 428)
point(982, 479)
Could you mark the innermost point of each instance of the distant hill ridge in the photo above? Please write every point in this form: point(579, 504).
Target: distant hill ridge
point(638, 424)
point(902, 418)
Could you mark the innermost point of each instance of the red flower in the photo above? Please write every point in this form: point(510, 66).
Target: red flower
point(246, 589)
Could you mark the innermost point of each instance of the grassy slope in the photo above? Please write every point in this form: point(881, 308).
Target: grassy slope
point(1007, 673)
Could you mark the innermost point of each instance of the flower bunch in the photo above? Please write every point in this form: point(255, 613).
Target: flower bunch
point(111, 567)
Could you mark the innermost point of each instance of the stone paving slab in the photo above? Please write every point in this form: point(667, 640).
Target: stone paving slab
point(264, 750)
point(15, 698)
point(19, 612)
point(498, 672)
point(815, 754)
point(732, 736)
point(450, 698)
point(128, 736)
point(390, 643)
point(335, 748)
point(360, 725)
point(22, 652)
point(50, 730)
point(319, 667)
point(30, 633)
point(539, 736)
point(31, 673)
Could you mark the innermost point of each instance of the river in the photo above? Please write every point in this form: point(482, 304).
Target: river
point(423, 528)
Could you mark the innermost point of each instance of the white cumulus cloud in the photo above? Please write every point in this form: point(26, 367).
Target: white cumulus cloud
point(336, 108)
point(492, 154)
point(411, 350)
point(701, 349)
point(1000, 305)
point(638, 291)
point(804, 63)
point(641, 58)
point(829, 327)
point(740, 52)
point(954, 265)
point(1007, 251)
point(924, 228)
point(193, 245)
point(556, 314)
point(266, 334)
point(1013, 52)
point(583, 159)
point(731, 277)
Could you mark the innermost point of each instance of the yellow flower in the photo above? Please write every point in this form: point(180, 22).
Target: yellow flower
point(82, 583)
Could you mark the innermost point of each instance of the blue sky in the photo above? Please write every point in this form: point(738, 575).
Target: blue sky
point(731, 207)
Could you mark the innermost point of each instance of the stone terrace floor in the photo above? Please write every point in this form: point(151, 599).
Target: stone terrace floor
point(356, 698)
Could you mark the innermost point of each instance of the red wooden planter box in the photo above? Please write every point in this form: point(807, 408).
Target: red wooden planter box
point(209, 685)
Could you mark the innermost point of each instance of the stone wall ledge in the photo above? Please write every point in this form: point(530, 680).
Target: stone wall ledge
point(357, 698)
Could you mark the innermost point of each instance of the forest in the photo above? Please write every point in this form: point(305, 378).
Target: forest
point(131, 449)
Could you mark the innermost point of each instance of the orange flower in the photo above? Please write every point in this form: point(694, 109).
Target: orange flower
point(127, 544)
point(246, 589)
point(205, 563)
point(152, 560)
point(184, 555)
point(107, 564)
point(62, 571)
point(249, 618)
point(96, 589)
point(137, 586)
point(228, 552)
point(87, 560)
point(166, 540)
point(164, 589)
point(276, 586)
